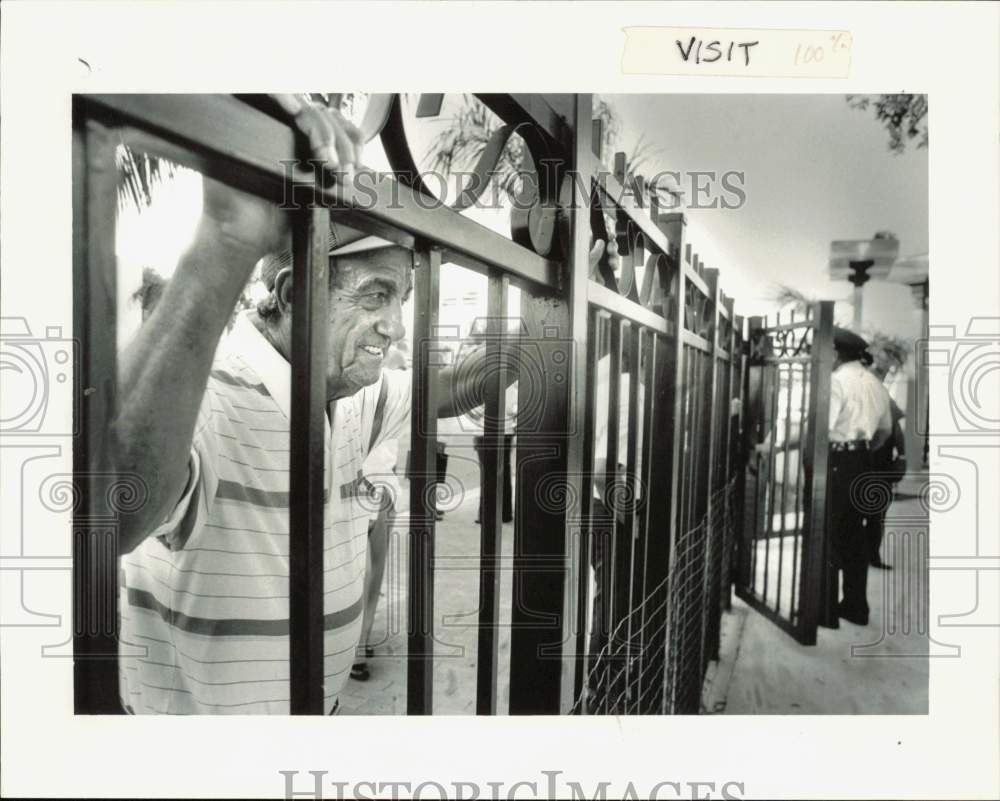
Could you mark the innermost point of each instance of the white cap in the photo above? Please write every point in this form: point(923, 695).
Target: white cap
point(360, 245)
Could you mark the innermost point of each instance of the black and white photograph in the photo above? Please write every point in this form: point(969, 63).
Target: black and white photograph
point(437, 433)
point(598, 424)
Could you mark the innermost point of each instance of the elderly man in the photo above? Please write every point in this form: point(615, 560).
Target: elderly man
point(204, 595)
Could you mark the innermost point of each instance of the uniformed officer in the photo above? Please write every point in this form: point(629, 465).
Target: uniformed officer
point(860, 421)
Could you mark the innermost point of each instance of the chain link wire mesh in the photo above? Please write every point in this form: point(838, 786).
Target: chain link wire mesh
point(645, 667)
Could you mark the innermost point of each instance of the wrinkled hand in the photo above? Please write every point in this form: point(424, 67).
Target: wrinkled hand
point(257, 226)
point(333, 138)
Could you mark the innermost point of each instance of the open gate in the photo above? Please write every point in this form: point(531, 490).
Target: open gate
point(783, 561)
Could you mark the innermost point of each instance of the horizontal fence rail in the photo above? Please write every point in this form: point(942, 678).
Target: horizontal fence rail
point(630, 431)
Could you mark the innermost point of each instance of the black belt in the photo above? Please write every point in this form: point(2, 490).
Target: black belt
point(853, 445)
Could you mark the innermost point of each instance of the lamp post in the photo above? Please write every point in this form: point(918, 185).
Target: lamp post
point(858, 260)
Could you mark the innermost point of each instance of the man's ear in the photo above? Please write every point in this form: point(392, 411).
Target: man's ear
point(283, 290)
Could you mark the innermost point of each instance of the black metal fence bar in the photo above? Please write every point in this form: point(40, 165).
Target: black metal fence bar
point(225, 138)
point(712, 458)
point(629, 496)
point(491, 515)
point(585, 541)
point(656, 529)
point(673, 375)
point(307, 445)
point(618, 546)
point(815, 578)
point(423, 483)
point(545, 584)
point(95, 535)
point(612, 302)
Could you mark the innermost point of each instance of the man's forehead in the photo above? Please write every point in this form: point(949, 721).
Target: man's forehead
point(394, 261)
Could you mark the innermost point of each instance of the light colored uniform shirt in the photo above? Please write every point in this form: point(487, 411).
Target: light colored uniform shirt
point(859, 405)
point(204, 599)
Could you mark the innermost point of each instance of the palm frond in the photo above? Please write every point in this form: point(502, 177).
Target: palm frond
point(138, 174)
point(785, 295)
point(464, 138)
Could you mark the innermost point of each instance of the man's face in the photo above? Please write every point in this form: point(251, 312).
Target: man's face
point(365, 316)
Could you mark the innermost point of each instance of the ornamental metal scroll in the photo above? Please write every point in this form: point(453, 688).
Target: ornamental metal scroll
point(644, 276)
point(536, 221)
point(793, 341)
point(698, 317)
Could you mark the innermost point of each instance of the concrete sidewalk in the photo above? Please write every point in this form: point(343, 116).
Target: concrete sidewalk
point(456, 603)
point(881, 668)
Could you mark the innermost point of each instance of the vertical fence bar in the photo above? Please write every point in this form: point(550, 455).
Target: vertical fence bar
point(774, 382)
point(785, 454)
point(800, 522)
point(307, 476)
point(610, 549)
point(494, 430)
point(656, 528)
point(423, 480)
point(734, 466)
point(632, 527)
point(584, 537)
point(95, 533)
point(710, 403)
point(544, 613)
point(673, 226)
point(816, 579)
point(757, 387)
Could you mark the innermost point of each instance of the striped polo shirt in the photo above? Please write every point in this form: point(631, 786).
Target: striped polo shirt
point(204, 598)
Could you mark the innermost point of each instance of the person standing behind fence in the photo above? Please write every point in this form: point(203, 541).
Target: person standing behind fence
point(860, 422)
point(379, 469)
point(473, 421)
point(889, 460)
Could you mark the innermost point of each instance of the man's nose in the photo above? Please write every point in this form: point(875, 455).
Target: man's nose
point(390, 322)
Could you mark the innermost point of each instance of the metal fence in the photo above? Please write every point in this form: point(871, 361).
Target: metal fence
point(652, 532)
point(784, 568)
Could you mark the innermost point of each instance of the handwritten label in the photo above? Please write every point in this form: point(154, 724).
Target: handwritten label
point(751, 52)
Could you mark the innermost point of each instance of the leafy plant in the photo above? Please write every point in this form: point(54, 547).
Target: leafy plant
point(888, 349)
point(904, 117)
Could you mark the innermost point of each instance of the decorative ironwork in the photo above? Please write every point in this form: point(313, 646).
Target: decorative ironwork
point(792, 341)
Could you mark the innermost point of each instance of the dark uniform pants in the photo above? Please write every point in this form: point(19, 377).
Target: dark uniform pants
point(851, 549)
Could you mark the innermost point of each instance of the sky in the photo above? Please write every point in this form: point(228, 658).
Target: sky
point(814, 170)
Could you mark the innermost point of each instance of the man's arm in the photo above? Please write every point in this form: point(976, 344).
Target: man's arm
point(461, 388)
point(164, 371)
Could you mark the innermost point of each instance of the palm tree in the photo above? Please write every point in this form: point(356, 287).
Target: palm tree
point(138, 174)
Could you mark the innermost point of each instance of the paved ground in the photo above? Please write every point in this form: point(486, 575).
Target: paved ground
point(881, 668)
point(456, 604)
